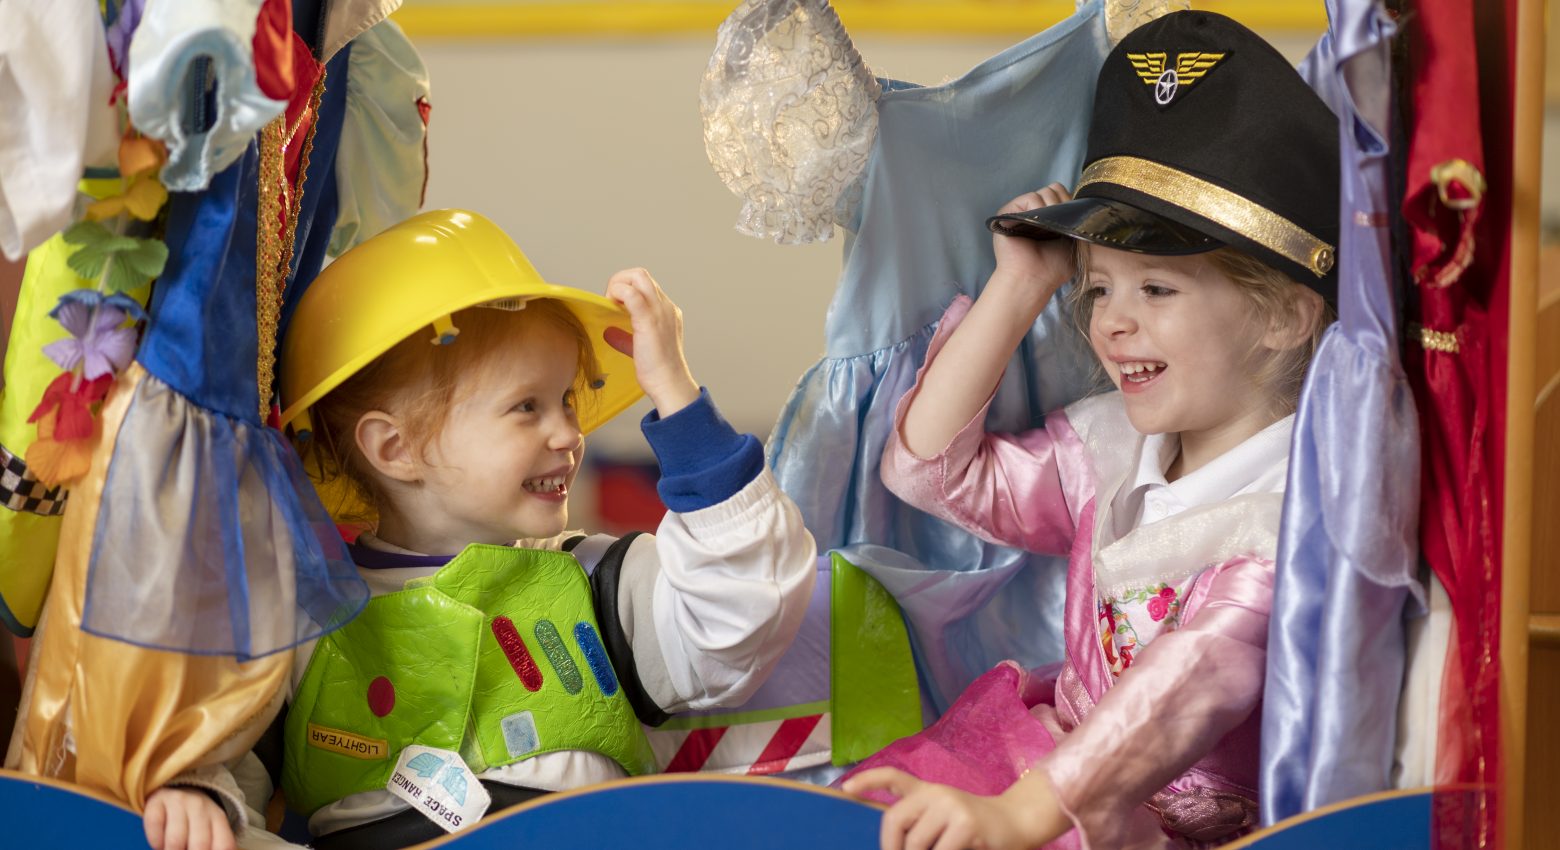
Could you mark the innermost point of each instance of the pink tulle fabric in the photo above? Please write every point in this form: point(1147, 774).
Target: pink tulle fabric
point(983, 744)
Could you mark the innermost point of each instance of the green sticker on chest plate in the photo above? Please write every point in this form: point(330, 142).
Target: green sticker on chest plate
point(558, 656)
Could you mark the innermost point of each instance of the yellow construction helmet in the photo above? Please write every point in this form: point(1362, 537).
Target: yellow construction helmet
point(410, 279)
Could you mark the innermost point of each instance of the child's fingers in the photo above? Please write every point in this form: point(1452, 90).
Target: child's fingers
point(640, 282)
point(200, 829)
point(924, 833)
point(176, 833)
point(1045, 196)
point(898, 820)
point(890, 779)
point(631, 276)
point(959, 834)
point(1055, 193)
point(1023, 203)
point(155, 820)
point(624, 292)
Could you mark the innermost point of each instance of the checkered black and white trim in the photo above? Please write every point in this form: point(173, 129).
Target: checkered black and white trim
point(20, 491)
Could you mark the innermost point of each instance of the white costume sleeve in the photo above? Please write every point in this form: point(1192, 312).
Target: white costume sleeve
point(711, 602)
point(54, 82)
point(178, 50)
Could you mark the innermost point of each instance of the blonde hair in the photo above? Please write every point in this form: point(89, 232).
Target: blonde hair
point(419, 381)
point(1272, 297)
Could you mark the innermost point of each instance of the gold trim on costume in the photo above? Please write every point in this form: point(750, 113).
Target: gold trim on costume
point(1442, 341)
point(278, 206)
point(1217, 204)
point(1462, 172)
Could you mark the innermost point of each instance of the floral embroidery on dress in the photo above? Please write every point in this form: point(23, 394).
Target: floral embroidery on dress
point(1123, 635)
point(1160, 604)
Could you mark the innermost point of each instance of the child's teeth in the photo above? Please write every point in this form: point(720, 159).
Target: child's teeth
point(1140, 371)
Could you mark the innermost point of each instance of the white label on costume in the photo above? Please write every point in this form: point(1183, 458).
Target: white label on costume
point(438, 784)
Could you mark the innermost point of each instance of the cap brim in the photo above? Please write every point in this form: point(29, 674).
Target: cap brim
point(1112, 224)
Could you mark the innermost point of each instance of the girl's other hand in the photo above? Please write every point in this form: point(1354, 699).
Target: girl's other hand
point(929, 816)
point(657, 342)
point(1043, 264)
point(183, 819)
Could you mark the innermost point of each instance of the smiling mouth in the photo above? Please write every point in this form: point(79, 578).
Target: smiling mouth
point(1141, 371)
point(548, 485)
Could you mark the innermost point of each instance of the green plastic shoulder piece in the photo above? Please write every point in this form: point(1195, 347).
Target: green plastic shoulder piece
point(497, 656)
point(872, 679)
point(343, 734)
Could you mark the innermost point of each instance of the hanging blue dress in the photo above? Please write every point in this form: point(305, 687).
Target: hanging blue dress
point(1348, 549)
point(943, 159)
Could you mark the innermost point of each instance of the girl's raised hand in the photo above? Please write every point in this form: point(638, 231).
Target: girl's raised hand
point(929, 816)
point(656, 344)
point(1045, 264)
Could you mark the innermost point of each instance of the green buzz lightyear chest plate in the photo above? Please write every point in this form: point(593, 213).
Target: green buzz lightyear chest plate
point(497, 656)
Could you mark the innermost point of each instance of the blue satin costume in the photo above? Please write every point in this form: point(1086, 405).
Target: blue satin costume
point(1348, 548)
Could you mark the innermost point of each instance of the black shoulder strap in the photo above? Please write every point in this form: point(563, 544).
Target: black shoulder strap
point(270, 747)
point(604, 590)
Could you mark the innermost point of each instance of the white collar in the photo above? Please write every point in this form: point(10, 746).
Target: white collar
point(1248, 467)
point(1258, 464)
point(1154, 458)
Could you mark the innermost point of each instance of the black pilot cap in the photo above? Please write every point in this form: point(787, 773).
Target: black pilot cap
point(1204, 136)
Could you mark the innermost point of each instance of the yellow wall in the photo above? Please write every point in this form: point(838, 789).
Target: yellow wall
point(531, 18)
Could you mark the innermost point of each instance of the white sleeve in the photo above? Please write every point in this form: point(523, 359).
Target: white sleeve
point(54, 81)
point(179, 50)
point(711, 602)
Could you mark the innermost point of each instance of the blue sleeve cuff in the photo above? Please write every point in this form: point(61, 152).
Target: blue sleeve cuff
point(704, 461)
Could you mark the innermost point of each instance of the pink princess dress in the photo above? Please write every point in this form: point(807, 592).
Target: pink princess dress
point(1149, 732)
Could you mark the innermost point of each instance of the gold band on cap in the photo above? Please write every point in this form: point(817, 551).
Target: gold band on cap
point(1217, 204)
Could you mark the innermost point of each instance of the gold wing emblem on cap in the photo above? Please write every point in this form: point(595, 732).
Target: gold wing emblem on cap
point(1190, 67)
point(1150, 66)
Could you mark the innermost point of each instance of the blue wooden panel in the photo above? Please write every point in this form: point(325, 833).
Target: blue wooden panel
point(47, 816)
point(1396, 822)
point(666, 813)
point(679, 814)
